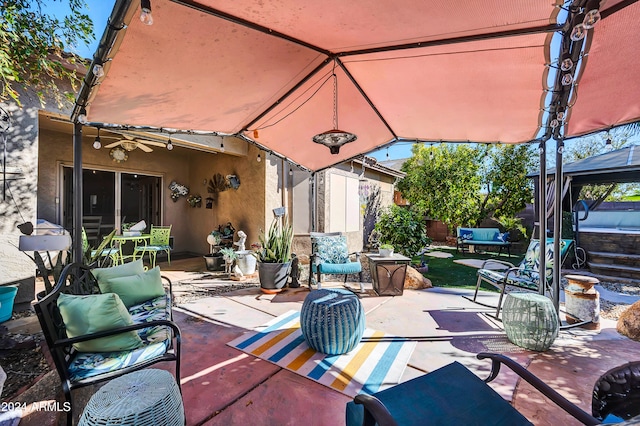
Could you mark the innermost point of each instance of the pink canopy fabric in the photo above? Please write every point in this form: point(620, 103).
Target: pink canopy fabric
point(451, 71)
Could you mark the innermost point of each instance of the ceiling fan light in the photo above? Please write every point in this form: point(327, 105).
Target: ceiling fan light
point(591, 18)
point(128, 145)
point(334, 139)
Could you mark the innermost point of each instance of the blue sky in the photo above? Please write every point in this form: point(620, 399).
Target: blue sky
point(98, 11)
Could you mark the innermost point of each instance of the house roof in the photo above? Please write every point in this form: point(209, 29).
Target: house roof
point(453, 71)
point(621, 165)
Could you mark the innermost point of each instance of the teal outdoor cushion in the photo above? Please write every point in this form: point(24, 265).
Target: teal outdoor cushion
point(124, 270)
point(331, 249)
point(135, 289)
point(338, 268)
point(449, 395)
point(84, 315)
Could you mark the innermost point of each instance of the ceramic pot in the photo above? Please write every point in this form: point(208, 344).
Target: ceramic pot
point(273, 276)
point(385, 252)
point(214, 262)
point(246, 262)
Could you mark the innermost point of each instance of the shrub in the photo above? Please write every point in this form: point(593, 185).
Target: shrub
point(404, 229)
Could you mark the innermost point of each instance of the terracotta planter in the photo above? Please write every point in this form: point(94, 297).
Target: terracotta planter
point(273, 276)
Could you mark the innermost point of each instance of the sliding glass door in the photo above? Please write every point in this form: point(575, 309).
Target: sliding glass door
point(111, 198)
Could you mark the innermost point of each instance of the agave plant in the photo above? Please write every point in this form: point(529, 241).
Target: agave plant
point(276, 243)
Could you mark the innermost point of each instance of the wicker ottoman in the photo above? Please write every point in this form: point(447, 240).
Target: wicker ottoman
point(332, 320)
point(146, 397)
point(530, 320)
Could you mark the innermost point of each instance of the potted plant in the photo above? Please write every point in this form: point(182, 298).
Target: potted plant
point(229, 255)
point(385, 250)
point(214, 260)
point(274, 255)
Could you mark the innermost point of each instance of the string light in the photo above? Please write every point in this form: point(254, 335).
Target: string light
point(221, 146)
point(96, 143)
point(259, 159)
point(169, 144)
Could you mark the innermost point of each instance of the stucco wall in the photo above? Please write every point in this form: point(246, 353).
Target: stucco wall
point(243, 207)
point(19, 205)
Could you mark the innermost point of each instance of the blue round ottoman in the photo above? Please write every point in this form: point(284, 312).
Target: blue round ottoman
point(332, 320)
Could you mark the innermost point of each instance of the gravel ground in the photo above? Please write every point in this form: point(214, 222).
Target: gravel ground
point(612, 310)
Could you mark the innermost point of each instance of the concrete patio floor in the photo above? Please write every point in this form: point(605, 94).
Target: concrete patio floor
point(224, 386)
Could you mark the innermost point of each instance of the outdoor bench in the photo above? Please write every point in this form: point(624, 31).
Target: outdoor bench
point(466, 237)
point(95, 335)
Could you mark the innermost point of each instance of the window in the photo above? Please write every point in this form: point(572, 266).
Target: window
point(343, 207)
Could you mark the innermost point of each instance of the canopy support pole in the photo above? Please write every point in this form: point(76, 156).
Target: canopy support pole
point(542, 214)
point(557, 225)
point(77, 192)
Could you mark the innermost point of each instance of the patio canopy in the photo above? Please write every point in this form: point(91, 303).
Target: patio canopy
point(451, 71)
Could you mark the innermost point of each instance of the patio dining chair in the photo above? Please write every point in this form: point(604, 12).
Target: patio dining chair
point(108, 256)
point(525, 276)
point(330, 255)
point(158, 242)
point(453, 395)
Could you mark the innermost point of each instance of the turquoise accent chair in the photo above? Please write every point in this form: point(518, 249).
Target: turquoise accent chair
point(330, 255)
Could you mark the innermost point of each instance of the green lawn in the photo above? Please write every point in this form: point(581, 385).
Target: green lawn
point(446, 273)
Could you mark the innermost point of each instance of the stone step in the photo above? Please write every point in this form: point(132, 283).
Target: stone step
point(622, 271)
point(614, 258)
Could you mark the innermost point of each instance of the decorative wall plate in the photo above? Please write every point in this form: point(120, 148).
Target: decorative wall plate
point(118, 154)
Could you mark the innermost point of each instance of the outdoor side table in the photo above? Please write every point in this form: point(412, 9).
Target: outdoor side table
point(530, 320)
point(388, 273)
point(332, 320)
point(145, 397)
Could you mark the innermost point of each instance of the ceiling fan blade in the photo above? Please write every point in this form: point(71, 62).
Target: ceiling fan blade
point(152, 143)
point(111, 145)
point(144, 148)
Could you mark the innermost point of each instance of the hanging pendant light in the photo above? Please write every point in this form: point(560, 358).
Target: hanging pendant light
point(335, 138)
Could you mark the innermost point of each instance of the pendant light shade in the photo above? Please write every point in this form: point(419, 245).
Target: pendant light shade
point(335, 138)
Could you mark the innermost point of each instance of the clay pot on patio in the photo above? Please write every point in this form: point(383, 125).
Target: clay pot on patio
point(273, 276)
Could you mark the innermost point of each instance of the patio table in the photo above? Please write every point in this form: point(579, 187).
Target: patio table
point(118, 241)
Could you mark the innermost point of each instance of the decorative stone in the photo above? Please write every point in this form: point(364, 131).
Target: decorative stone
point(629, 322)
point(415, 280)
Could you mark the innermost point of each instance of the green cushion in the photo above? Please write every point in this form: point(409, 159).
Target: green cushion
point(135, 289)
point(124, 270)
point(97, 312)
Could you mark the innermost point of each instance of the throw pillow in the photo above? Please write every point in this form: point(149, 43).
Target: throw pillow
point(332, 249)
point(501, 236)
point(84, 315)
point(135, 289)
point(466, 234)
point(124, 270)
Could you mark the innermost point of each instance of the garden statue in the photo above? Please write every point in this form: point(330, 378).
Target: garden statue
point(237, 272)
point(240, 243)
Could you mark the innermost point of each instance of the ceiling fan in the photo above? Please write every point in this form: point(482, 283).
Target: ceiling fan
point(129, 143)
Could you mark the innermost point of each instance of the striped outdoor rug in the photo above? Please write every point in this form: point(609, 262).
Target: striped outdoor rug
point(375, 364)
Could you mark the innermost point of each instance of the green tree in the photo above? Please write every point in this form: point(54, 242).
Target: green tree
point(443, 181)
point(32, 44)
point(462, 185)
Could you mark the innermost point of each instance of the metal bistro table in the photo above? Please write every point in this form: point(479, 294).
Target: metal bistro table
point(388, 273)
point(119, 241)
